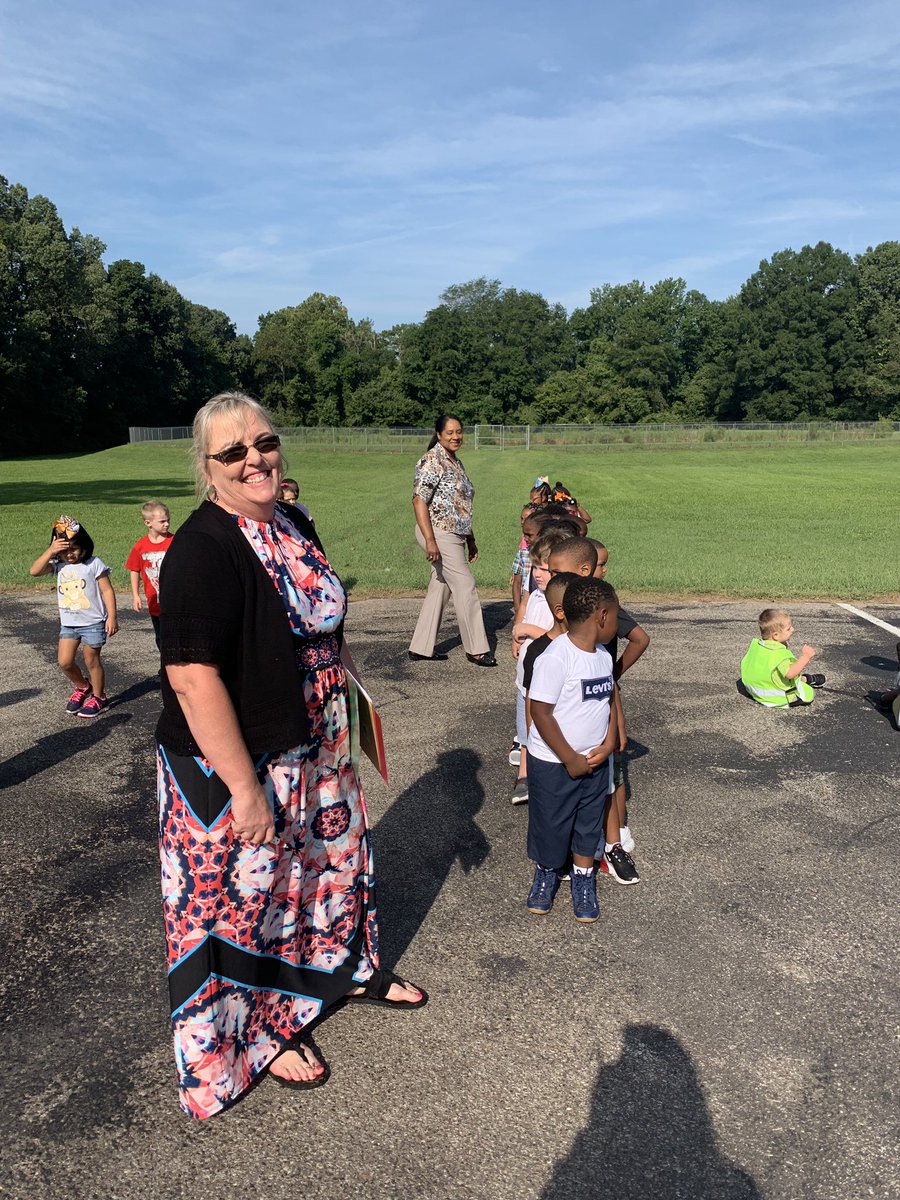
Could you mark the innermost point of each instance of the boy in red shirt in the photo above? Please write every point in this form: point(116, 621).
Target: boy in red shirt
point(146, 557)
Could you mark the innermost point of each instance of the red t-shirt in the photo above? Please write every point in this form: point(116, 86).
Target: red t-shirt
point(146, 557)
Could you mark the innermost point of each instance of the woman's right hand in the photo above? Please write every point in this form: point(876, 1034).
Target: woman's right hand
point(251, 816)
point(431, 550)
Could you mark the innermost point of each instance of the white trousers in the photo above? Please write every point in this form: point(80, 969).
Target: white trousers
point(452, 576)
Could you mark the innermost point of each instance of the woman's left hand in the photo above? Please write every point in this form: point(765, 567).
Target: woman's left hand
point(473, 549)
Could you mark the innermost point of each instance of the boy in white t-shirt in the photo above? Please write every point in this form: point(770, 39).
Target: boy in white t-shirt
point(573, 734)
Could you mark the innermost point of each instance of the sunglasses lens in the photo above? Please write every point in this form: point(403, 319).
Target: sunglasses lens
point(265, 445)
point(235, 455)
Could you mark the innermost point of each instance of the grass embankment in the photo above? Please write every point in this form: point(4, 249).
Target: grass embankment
point(802, 521)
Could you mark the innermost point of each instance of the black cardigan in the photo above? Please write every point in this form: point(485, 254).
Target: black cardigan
point(218, 605)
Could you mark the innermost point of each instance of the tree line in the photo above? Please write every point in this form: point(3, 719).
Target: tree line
point(88, 349)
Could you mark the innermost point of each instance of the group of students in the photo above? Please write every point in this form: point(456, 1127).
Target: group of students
point(88, 615)
point(570, 725)
point(571, 736)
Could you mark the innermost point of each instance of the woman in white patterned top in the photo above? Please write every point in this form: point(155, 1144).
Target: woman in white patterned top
point(442, 501)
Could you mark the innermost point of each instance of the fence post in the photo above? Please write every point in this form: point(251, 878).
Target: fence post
point(476, 437)
point(528, 442)
point(366, 447)
point(502, 437)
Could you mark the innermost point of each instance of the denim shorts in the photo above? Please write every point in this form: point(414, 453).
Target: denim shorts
point(92, 635)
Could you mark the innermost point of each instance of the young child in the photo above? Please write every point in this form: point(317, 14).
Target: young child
point(533, 618)
point(572, 735)
point(290, 494)
point(87, 611)
point(770, 673)
point(146, 558)
point(560, 494)
point(577, 555)
point(520, 579)
point(637, 640)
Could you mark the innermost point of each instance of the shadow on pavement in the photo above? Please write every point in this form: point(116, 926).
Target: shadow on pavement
point(649, 1132)
point(497, 615)
point(8, 699)
point(427, 829)
point(56, 747)
point(879, 662)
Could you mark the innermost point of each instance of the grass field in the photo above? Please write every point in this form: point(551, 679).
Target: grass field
point(677, 522)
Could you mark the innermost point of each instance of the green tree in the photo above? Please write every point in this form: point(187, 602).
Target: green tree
point(799, 354)
point(878, 320)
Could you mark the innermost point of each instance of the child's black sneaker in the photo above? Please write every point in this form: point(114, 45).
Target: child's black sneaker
point(584, 896)
point(93, 707)
point(77, 699)
point(544, 887)
point(619, 865)
point(815, 680)
point(519, 792)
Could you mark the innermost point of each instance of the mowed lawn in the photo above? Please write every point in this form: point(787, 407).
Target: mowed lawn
point(802, 521)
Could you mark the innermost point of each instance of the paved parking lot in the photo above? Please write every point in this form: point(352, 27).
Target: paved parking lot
point(728, 1029)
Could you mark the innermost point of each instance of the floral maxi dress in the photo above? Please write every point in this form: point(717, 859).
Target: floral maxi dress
point(261, 940)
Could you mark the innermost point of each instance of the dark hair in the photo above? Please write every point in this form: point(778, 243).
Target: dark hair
point(80, 538)
point(585, 595)
point(597, 544)
point(290, 483)
point(565, 512)
point(580, 551)
point(543, 490)
point(558, 583)
point(568, 528)
point(440, 425)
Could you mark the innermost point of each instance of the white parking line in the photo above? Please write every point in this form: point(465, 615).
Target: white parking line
point(868, 617)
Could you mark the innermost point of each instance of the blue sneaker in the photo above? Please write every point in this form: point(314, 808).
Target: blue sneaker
point(584, 896)
point(543, 889)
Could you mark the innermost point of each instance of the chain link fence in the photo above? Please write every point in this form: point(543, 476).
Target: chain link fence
point(370, 439)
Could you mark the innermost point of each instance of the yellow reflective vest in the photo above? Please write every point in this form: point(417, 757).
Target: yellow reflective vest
point(762, 674)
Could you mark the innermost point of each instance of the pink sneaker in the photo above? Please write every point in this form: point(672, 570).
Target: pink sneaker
point(77, 699)
point(93, 707)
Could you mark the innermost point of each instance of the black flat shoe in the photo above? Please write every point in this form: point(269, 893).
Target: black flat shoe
point(482, 660)
point(376, 992)
point(426, 657)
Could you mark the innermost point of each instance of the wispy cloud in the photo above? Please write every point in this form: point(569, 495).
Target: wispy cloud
point(252, 156)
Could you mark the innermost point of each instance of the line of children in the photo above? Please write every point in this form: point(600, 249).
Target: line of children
point(87, 612)
point(536, 519)
point(616, 861)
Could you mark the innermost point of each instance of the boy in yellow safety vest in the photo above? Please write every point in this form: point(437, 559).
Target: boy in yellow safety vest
point(770, 673)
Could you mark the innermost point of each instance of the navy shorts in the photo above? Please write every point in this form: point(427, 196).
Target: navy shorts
point(565, 815)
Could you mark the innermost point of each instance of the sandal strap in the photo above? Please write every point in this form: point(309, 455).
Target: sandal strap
point(379, 984)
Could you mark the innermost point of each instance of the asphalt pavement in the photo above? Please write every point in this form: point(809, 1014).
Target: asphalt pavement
point(728, 1029)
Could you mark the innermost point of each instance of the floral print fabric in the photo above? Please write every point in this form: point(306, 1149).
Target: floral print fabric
point(443, 484)
point(261, 939)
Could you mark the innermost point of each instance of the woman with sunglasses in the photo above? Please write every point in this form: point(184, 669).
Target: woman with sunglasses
point(264, 841)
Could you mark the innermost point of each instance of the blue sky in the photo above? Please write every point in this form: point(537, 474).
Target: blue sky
point(255, 153)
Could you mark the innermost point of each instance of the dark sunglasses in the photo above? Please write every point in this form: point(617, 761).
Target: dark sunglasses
point(265, 444)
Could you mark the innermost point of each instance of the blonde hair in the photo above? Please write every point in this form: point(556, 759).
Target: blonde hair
point(153, 506)
point(771, 620)
point(235, 405)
